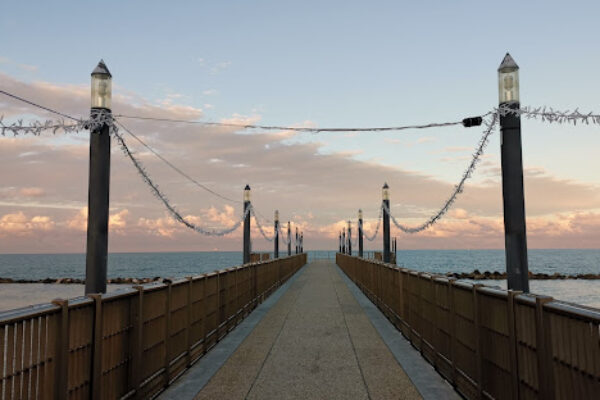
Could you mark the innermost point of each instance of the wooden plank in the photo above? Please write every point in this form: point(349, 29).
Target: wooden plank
point(96, 384)
point(543, 349)
point(61, 364)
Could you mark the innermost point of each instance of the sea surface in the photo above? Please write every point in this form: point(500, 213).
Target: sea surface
point(175, 265)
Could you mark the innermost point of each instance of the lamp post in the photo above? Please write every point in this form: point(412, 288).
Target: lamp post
point(360, 233)
point(349, 237)
point(99, 183)
point(247, 224)
point(276, 240)
point(385, 194)
point(289, 239)
point(296, 242)
point(344, 241)
point(515, 236)
point(301, 242)
point(340, 241)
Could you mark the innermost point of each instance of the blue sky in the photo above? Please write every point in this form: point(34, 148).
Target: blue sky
point(332, 64)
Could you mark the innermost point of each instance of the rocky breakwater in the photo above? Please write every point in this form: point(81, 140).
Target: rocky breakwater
point(119, 280)
point(487, 275)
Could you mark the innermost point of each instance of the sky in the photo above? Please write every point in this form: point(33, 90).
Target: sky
point(309, 63)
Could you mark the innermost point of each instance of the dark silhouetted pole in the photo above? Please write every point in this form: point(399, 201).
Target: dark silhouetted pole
point(344, 241)
point(98, 184)
point(340, 242)
point(276, 240)
point(349, 238)
point(301, 242)
point(515, 237)
point(297, 244)
point(360, 233)
point(386, 223)
point(289, 235)
point(247, 224)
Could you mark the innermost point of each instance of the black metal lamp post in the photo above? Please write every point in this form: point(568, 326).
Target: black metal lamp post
point(344, 242)
point(297, 247)
point(276, 240)
point(289, 235)
point(385, 194)
point(360, 233)
point(247, 224)
point(349, 237)
point(301, 242)
point(99, 183)
point(515, 237)
point(340, 242)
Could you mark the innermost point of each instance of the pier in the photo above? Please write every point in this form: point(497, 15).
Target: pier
point(285, 329)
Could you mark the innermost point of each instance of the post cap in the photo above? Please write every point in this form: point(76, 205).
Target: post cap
point(101, 69)
point(247, 187)
point(385, 186)
point(508, 64)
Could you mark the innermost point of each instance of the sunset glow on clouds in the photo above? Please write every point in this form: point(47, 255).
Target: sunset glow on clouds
point(43, 193)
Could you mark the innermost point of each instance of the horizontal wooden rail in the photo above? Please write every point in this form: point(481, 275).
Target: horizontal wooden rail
point(131, 343)
point(489, 343)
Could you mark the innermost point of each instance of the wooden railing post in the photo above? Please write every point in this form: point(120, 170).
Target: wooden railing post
point(543, 349)
point(204, 315)
point(98, 339)
point(452, 328)
point(477, 324)
point(188, 323)
point(61, 370)
point(138, 341)
point(168, 330)
point(512, 337)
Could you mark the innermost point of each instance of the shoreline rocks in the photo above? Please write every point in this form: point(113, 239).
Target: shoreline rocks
point(487, 275)
point(67, 281)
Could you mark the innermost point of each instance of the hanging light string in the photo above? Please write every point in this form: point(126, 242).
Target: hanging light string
point(260, 227)
point(458, 189)
point(372, 237)
point(162, 197)
point(300, 129)
point(286, 240)
point(550, 115)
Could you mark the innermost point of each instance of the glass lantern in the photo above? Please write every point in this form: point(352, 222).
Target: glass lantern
point(508, 81)
point(101, 87)
point(276, 215)
point(385, 192)
point(360, 214)
point(247, 193)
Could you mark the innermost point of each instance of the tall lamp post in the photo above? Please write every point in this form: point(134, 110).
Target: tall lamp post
point(360, 233)
point(247, 224)
point(344, 241)
point(385, 194)
point(99, 183)
point(515, 237)
point(276, 241)
point(349, 238)
point(340, 242)
point(297, 240)
point(289, 239)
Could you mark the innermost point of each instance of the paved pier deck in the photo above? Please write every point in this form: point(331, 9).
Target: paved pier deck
point(317, 340)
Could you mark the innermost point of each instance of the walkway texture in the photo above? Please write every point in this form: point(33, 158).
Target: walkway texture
point(316, 342)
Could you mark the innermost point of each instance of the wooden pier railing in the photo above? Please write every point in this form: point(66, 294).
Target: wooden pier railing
point(130, 343)
point(489, 343)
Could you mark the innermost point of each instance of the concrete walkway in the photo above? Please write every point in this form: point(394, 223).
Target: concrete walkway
point(316, 342)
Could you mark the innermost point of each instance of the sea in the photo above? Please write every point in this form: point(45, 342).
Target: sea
point(182, 264)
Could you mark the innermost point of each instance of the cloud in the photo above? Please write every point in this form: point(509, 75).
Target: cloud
point(317, 191)
point(31, 192)
point(18, 224)
point(210, 92)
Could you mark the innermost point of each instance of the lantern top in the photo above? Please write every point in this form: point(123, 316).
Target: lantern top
point(101, 69)
point(247, 187)
point(508, 64)
point(385, 186)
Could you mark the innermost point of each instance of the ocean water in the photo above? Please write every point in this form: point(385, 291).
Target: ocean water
point(175, 265)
